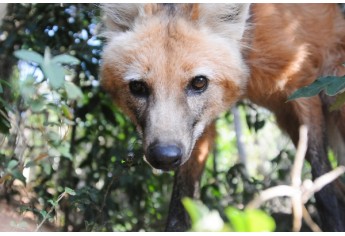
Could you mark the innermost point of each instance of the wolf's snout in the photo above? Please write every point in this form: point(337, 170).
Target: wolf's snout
point(165, 157)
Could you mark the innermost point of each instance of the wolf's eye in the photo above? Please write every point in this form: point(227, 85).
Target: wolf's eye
point(139, 88)
point(198, 84)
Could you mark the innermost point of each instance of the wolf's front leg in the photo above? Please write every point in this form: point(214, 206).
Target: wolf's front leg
point(187, 180)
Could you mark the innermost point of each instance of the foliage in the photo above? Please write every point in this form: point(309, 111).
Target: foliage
point(332, 85)
point(52, 69)
point(5, 123)
point(249, 220)
point(54, 204)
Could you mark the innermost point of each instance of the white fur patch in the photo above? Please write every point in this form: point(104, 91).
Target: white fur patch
point(132, 74)
point(206, 71)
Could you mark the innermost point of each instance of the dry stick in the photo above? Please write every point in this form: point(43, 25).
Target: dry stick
point(309, 188)
point(296, 173)
point(285, 190)
point(309, 221)
point(270, 193)
point(323, 180)
point(239, 138)
point(299, 193)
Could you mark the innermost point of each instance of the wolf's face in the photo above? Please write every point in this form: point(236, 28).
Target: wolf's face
point(172, 69)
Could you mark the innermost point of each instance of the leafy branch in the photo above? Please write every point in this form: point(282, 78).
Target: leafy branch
point(55, 204)
point(53, 70)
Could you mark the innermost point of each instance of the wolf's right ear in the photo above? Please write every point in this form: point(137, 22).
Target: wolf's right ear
point(121, 16)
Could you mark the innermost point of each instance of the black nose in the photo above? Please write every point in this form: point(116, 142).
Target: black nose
point(165, 157)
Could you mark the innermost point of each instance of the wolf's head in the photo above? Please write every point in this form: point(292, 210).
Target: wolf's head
point(172, 68)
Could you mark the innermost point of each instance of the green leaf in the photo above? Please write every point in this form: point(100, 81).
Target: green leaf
point(64, 150)
point(29, 56)
point(66, 111)
point(37, 105)
point(70, 191)
point(73, 91)
point(47, 168)
point(236, 218)
point(202, 218)
point(250, 220)
point(259, 221)
point(331, 84)
point(18, 175)
point(332, 158)
point(194, 209)
point(12, 164)
point(43, 213)
point(120, 119)
point(53, 137)
point(55, 74)
point(339, 102)
point(5, 123)
point(4, 82)
point(30, 164)
point(310, 90)
point(53, 203)
point(53, 71)
point(27, 87)
point(4, 127)
point(65, 59)
point(336, 85)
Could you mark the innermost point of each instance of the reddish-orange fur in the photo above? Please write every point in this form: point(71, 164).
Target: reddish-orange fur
point(292, 46)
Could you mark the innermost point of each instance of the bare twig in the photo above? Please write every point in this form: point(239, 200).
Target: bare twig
point(277, 191)
point(239, 137)
point(299, 192)
point(296, 180)
point(323, 180)
point(314, 227)
point(296, 171)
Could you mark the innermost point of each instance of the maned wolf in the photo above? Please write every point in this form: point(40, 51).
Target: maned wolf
point(172, 68)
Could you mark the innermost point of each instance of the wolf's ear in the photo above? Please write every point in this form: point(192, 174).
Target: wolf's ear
point(121, 16)
point(228, 20)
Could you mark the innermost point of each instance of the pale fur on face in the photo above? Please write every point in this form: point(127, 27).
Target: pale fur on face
point(167, 46)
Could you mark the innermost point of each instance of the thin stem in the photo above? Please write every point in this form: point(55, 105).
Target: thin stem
point(50, 211)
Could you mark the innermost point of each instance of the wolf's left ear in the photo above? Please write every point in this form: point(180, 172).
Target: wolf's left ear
point(121, 16)
point(228, 20)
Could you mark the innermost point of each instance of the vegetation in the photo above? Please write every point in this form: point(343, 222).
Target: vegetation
point(70, 157)
point(331, 85)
